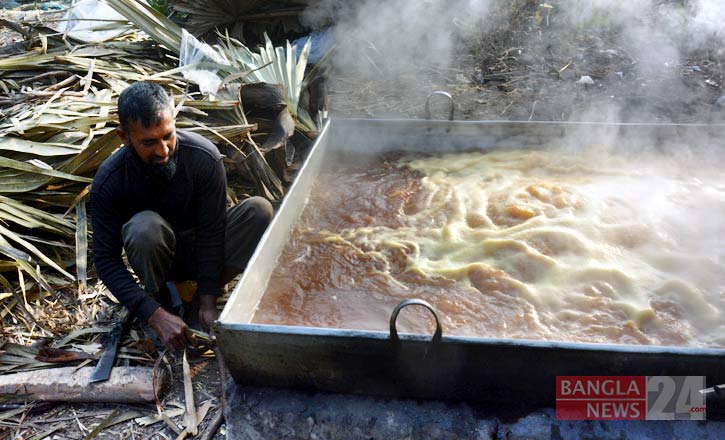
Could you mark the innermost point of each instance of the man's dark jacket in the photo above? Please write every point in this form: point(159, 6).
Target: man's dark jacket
point(193, 202)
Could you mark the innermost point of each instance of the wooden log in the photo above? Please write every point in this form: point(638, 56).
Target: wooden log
point(126, 385)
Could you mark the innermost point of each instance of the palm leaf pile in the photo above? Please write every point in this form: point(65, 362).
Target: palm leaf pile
point(273, 66)
point(240, 17)
point(278, 66)
point(57, 125)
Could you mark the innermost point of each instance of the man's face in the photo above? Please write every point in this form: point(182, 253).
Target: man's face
point(154, 145)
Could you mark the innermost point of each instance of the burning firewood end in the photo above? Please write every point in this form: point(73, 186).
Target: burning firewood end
point(527, 60)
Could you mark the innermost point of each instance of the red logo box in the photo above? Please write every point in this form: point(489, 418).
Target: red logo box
point(601, 397)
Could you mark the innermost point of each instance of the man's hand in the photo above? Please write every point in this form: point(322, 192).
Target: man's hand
point(207, 311)
point(171, 329)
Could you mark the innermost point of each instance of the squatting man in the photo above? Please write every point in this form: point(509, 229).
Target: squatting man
point(161, 198)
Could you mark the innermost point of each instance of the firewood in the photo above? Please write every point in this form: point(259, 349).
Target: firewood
point(126, 385)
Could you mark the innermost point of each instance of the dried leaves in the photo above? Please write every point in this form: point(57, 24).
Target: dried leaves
point(57, 125)
point(204, 17)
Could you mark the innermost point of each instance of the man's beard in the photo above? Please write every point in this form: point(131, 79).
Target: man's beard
point(164, 171)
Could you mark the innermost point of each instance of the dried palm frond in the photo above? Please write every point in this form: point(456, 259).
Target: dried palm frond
point(57, 125)
point(151, 21)
point(206, 16)
point(233, 16)
point(279, 65)
point(53, 136)
point(273, 66)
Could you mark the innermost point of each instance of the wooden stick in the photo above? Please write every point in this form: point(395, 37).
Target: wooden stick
point(220, 417)
point(126, 385)
point(58, 85)
point(190, 420)
point(214, 425)
point(63, 73)
point(170, 423)
point(223, 378)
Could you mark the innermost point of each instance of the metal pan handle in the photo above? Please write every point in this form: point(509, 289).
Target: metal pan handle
point(445, 94)
point(419, 302)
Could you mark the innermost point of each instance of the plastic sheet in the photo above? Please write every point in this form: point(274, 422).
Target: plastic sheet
point(204, 63)
point(92, 21)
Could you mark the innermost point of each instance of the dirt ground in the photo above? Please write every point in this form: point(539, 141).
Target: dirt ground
point(513, 72)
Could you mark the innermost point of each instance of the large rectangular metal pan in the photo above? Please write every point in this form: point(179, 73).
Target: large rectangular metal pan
point(448, 367)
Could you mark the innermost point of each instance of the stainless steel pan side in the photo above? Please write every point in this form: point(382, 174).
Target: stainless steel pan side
point(373, 136)
point(247, 293)
point(518, 372)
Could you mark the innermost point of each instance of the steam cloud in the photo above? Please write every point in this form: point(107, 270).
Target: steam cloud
point(660, 40)
point(379, 38)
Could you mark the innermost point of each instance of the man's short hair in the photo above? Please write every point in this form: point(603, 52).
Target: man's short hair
point(143, 102)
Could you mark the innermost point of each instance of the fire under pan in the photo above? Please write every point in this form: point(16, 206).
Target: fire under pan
point(439, 366)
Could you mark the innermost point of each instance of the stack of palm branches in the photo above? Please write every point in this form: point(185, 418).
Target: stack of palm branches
point(240, 17)
point(57, 125)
